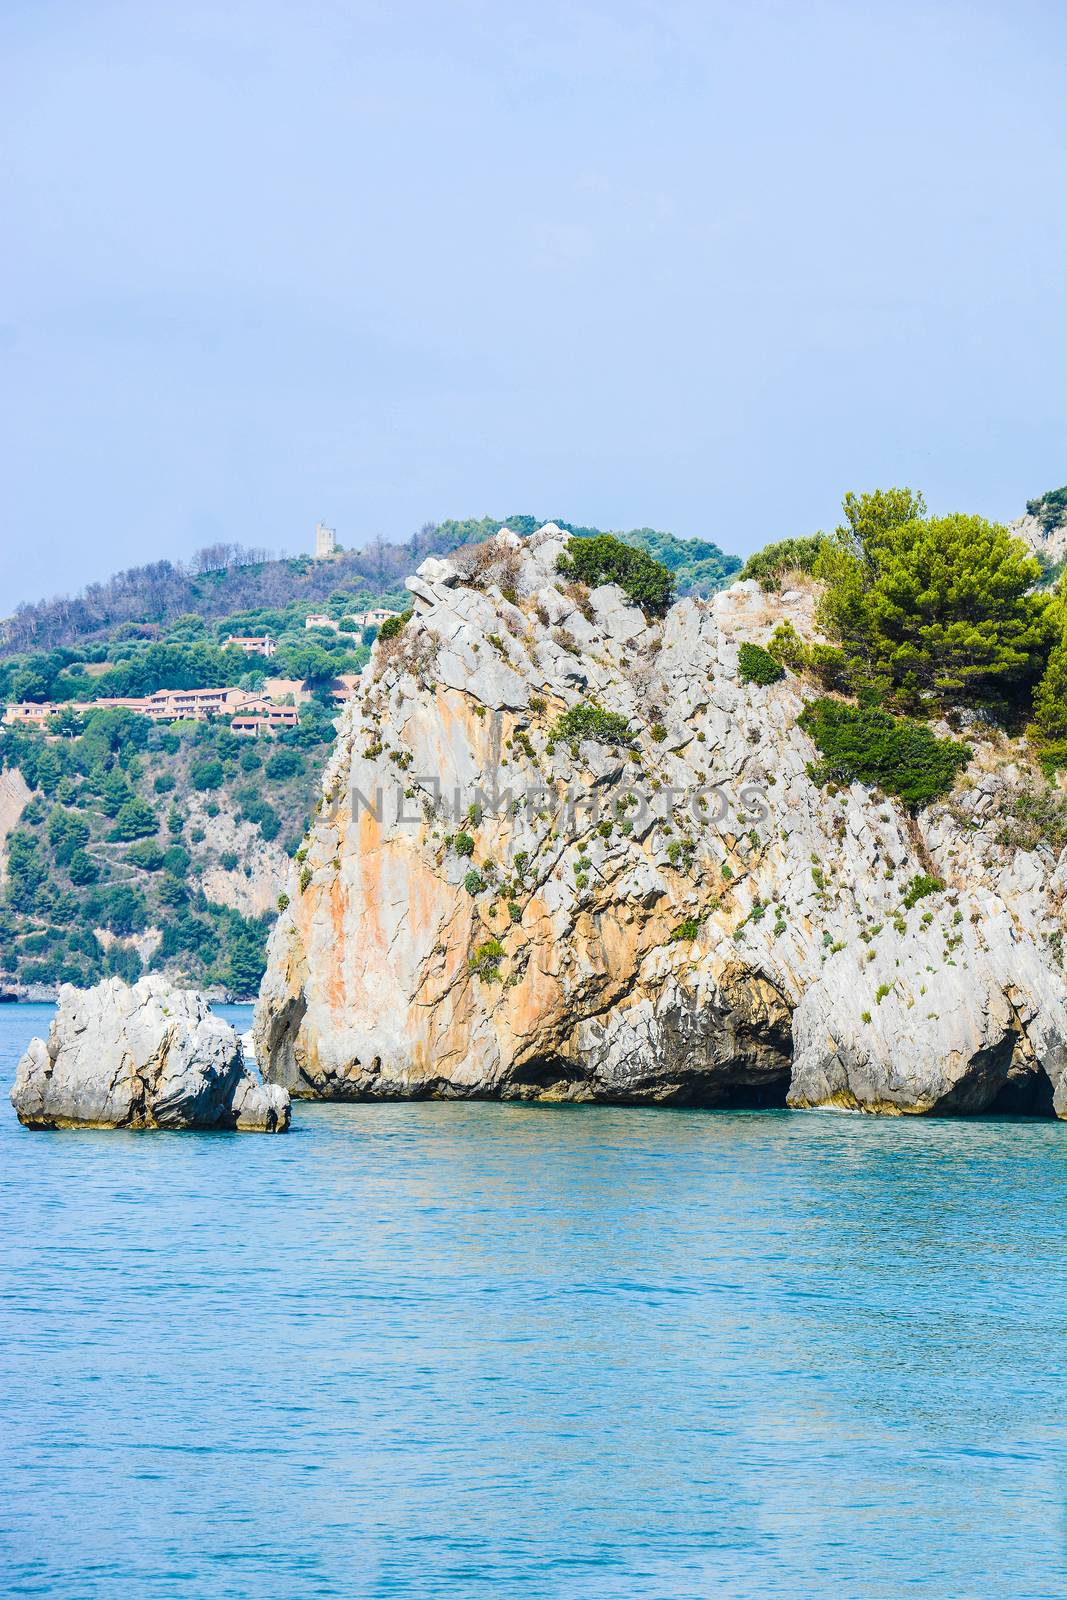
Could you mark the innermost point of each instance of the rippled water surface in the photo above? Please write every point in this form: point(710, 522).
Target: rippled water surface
point(449, 1350)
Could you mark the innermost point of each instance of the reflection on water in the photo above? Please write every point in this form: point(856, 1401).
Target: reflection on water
point(450, 1350)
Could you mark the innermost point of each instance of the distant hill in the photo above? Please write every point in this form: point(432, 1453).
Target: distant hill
point(243, 581)
point(231, 582)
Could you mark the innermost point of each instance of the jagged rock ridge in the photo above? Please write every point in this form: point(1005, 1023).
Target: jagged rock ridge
point(750, 945)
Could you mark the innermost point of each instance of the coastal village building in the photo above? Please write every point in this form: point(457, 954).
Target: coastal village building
point(175, 705)
point(250, 712)
point(170, 705)
point(265, 719)
point(252, 644)
point(342, 688)
point(31, 713)
point(359, 619)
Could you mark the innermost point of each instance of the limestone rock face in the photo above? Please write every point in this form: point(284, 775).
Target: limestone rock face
point(146, 1056)
point(1048, 543)
point(486, 906)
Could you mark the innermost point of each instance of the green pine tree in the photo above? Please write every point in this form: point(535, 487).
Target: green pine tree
point(1048, 730)
point(933, 609)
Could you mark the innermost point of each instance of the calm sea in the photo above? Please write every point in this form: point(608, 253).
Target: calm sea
point(477, 1350)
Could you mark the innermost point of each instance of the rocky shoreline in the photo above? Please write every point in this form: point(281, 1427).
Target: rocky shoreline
point(38, 994)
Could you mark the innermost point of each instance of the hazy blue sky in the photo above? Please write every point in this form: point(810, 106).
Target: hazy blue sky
point(703, 266)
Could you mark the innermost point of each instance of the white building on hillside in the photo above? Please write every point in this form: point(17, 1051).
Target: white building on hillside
point(325, 542)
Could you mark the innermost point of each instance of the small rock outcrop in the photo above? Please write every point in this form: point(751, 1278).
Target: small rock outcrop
point(491, 902)
point(146, 1056)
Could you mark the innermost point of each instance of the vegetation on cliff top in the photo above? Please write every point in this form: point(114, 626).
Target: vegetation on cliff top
point(931, 615)
point(933, 611)
point(604, 559)
point(756, 665)
point(697, 566)
point(769, 565)
point(1050, 509)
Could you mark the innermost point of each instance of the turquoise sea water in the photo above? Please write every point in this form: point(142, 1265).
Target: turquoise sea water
point(475, 1350)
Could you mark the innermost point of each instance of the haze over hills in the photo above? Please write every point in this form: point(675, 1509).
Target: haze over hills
point(233, 580)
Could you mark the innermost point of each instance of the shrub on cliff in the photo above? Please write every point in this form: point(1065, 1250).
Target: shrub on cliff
point(122, 909)
point(592, 722)
point(1048, 730)
point(920, 886)
point(146, 854)
point(825, 662)
point(82, 869)
point(284, 764)
point(136, 820)
point(1050, 509)
point(769, 565)
point(393, 626)
point(860, 744)
point(485, 962)
point(258, 811)
point(756, 665)
point(1029, 817)
point(603, 559)
point(206, 774)
point(67, 832)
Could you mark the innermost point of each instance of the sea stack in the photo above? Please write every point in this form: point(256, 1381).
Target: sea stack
point(142, 1056)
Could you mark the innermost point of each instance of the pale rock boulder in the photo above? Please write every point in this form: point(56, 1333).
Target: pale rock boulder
point(142, 1056)
point(752, 945)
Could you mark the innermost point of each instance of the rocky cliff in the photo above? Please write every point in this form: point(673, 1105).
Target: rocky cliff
point(649, 901)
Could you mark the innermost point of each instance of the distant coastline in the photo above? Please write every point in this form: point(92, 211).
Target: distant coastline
point(36, 994)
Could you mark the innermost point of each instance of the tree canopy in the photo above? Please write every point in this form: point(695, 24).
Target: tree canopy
point(932, 609)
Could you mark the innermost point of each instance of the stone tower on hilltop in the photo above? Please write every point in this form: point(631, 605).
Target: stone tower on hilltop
point(325, 542)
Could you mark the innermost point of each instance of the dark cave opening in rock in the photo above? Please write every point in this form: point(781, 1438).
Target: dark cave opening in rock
point(544, 1072)
point(1025, 1094)
point(768, 1094)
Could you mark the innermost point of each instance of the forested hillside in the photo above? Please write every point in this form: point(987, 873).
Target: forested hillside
point(242, 582)
point(145, 846)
